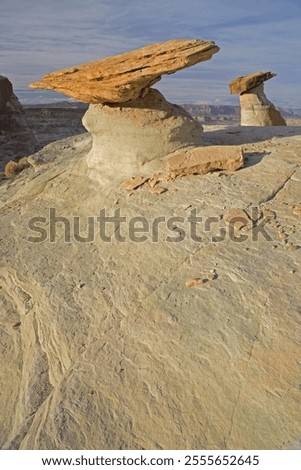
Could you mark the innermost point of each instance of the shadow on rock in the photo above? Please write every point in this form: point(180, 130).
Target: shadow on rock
point(239, 135)
point(253, 158)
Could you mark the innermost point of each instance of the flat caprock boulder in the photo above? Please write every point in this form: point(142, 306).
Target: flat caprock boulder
point(245, 83)
point(127, 76)
point(255, 108)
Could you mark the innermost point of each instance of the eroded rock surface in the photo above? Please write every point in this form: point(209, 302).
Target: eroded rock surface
point(127, 76)
point(110, 345)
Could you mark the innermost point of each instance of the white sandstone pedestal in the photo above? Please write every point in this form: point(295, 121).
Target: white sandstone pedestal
point(126, 137)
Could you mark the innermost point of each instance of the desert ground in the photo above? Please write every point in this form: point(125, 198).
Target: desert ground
point(153, 345)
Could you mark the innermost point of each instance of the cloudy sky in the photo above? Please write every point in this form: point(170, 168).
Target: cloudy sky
point(40, 36)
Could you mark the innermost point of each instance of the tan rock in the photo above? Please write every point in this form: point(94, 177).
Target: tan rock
point(190, 161)
point(202, 160)
point(237, 218)
point(247, 82)
point(157, 189)
point(127, 76)
point(133, 183)
point(203, 279)
point(195, 282)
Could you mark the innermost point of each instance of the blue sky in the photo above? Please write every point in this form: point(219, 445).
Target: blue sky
point(40, 36)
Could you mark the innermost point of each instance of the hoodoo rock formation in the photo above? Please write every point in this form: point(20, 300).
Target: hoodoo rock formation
point(16, 138)
point(131, 123)
point(256, 109)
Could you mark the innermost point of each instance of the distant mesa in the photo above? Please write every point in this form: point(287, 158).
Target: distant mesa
point(131, 123)
point(255, 108)
point(126, 77)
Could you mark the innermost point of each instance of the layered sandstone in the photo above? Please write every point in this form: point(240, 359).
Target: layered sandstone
point(245, 83)
point(256, 109)
point(128, 76)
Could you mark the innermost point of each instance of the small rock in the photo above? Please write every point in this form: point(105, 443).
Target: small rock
point(133, 183)
point(195, 282)
point(237, 218)
point(157, 190)
point(202, 160)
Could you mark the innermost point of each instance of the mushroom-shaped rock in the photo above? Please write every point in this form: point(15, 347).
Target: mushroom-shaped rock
point(255, 108)
point(131, 123)
point(127, 76)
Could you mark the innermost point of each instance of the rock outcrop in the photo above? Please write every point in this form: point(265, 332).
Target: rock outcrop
point(16, 138)
point(128, 76)
point(255, 108)
point(186, 339)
